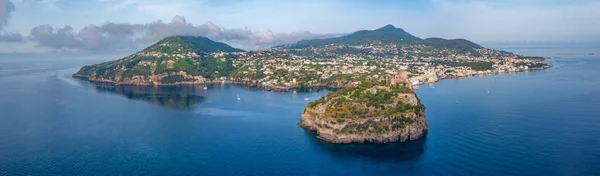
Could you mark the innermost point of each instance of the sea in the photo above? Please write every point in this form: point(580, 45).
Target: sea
point(543, 122)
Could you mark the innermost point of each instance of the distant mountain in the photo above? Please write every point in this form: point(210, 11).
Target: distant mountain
point(173, 60)
point(389, 34)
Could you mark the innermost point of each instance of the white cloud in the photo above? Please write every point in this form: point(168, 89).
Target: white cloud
point(113, 36)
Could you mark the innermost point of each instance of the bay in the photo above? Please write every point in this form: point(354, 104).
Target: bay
point(540, 122)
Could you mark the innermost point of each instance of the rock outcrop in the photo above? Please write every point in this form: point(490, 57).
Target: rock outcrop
point(369, 112)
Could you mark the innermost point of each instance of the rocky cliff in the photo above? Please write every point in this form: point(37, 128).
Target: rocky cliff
point(369, 112)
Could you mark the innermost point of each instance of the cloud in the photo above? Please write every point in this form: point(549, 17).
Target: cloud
point(11, 37)
point(115, 36)
point(6, 8)
point(109, 36)
point(61, 38)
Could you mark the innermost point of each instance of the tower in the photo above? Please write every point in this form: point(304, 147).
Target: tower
point(400, 78)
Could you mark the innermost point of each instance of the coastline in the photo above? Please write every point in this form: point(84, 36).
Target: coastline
point(485, 73)
point(242, 83)
point(414, 131)
point(289, 89)
point(312, 123)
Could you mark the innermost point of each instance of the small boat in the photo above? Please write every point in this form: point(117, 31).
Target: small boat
point(456, 101)
point(205, 88)
point(590, 54)
point(488, 91)
point(306, 98)
point(238, 97)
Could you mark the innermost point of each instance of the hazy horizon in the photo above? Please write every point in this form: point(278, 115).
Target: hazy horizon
point(51, 26)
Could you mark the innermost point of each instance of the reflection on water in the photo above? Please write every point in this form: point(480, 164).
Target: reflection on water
point(172, 97)
point(396, 152)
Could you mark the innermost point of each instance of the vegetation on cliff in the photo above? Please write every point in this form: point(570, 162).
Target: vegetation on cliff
point(370, 111)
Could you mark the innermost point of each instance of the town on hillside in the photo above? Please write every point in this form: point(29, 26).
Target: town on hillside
point(340, 65)
point(332, 63)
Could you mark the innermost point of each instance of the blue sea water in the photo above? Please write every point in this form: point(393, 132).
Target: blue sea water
point(533, 123)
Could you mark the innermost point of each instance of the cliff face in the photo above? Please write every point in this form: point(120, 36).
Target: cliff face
point(178, 78)
point(367, 113)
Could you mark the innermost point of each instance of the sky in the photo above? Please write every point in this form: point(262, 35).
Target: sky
point(99, 26)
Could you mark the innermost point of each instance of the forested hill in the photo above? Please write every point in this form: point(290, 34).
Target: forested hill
point(190, 44)
point(177, 59)
point(387, 34)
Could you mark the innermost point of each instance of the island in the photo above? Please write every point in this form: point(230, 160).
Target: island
point(373, 72)
point(374, 112)
point(331, 63)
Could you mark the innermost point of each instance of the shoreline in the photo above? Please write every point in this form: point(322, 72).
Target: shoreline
point(477, 75)
point(290, 89)
point(252, 85)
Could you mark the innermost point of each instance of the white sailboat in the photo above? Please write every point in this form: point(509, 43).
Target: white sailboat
point(205, 88)
point(306, 98)
point(238, 97)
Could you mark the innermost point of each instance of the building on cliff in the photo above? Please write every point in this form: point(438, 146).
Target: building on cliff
point(400, 78)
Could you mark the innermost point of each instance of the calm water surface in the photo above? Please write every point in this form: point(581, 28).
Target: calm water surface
point(543, 123)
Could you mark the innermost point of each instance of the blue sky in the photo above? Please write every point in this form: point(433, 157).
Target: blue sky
point(255, 24)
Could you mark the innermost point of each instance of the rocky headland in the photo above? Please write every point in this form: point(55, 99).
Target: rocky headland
point(368, 112)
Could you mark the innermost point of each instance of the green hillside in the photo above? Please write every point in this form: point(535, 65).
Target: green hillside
point(191, 55)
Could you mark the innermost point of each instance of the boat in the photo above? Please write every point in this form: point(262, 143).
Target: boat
point(488, 91)
point(238, 97)
point(306, 98)
point(205, 88)
point(590, 54)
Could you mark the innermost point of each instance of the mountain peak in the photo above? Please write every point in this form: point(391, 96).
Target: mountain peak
point(392, 29)
point(387, 28)
point(192, 44)
point(386, 34)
